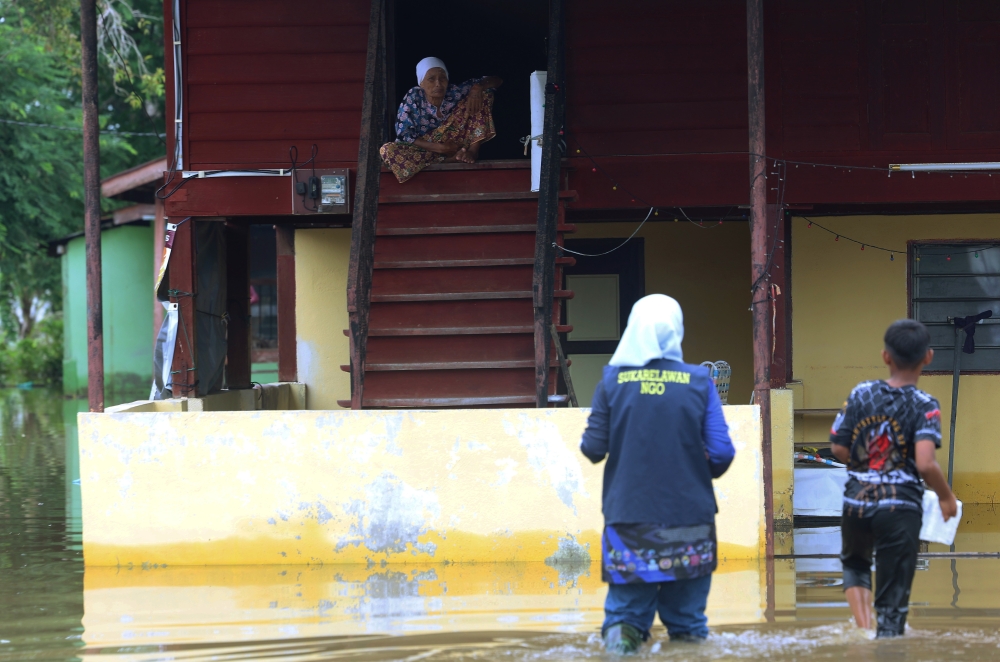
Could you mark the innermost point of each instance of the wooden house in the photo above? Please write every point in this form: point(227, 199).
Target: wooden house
point(756, 136)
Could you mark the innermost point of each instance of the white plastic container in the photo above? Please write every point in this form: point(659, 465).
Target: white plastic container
point(934, 528)
point(537, 86)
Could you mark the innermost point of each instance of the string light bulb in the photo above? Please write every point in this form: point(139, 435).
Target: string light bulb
point(892, 257)
point(977, 255)
point(810, 224)
point(614, 188)
point(948, 258)
point(837, 238)
point(862, 247)
point(593, 170)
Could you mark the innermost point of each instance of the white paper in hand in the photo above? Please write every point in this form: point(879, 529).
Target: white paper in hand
point(934, 528)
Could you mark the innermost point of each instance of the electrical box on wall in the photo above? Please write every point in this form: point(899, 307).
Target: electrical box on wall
point(321, 191)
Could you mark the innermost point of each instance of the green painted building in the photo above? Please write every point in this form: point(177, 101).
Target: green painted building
point(127, 263)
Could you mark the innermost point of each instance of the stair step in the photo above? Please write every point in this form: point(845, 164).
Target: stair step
point(458, 330)
point(493, 196)
point(467, 229)
point(449, 365)
point(453, 402)
point(463, 296)
point(481, 262)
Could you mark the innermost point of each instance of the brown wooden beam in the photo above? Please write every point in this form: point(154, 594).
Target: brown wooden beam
point(543, 278)
point(760, 289)
point(238, 305)
point(359, 271)
point(183, 283)
point(92, 205)
point(287, 344)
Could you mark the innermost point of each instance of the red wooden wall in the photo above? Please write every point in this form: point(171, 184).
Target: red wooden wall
point(656, 91)
point(261, 76)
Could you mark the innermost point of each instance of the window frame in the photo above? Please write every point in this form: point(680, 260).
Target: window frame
point(911, 249)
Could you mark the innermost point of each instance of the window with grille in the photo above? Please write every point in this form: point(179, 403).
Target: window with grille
point(949, 280)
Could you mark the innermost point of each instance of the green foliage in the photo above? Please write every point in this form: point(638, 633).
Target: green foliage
point(41, 168)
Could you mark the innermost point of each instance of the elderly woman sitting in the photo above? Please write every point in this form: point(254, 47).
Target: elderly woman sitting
point(438, 122)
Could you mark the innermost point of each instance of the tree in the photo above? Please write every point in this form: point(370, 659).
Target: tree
point(41, 182)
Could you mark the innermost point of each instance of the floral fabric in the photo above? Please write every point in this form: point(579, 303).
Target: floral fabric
point(417, 116)
point(406, 160)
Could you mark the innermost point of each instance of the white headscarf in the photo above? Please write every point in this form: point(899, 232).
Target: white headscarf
point(655, 331)
point(426, 65)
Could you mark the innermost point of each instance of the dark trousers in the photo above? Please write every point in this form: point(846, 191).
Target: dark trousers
point(895, 537)
point(681, 605)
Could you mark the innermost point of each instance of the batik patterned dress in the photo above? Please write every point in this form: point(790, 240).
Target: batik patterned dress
point(419, 119)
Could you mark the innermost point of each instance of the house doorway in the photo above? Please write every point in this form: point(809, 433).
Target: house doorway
point(504, 38)
point(605, 287)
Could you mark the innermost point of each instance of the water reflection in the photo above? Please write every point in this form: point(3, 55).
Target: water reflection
point(52, 610)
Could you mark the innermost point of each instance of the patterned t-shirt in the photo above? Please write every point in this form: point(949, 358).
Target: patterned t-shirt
point(881, 426)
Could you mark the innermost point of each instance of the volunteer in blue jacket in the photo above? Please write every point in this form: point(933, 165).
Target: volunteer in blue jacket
point(659, 422)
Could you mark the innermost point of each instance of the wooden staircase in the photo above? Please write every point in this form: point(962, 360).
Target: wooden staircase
point(451, 317)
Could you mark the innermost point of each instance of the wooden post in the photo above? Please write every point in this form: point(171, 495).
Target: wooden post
point(359, 272)
point(238, 305)
point(543, 278)
point(92, 205)
point(760, 279)
point(183, 288)
point(287, 344)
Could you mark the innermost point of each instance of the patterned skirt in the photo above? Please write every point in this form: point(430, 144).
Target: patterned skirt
point(406, 160)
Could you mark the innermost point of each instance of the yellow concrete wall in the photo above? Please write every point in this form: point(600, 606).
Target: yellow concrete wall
point(782, 467)
point(708, 271)
point(272, 487)
point(321, 259)
point(843, 300)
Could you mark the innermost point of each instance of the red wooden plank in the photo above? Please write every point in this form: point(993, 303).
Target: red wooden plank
point(309, 126)
point(232, 196)
point(231, 39)
point(663, 181)
point(456, 213)
point(503, 312)
point(818, 113)
point(678, 141)
point(237, 154)
point(830, 139)
point(441, 384)
point(306, 69)
point(664, 56)
point(460, 181)
point(398, 349)
point(673, 85)
point(454, 247)
point(480, 279)
point(723, 114)
point(250, 97)
point(221, 13)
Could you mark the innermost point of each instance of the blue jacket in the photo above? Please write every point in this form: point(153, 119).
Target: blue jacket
point(662, 429)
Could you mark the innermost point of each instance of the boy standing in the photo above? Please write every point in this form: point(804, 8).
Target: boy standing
point(886, 434)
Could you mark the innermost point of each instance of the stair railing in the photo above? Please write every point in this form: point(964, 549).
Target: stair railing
point(543, 278)
point(359, 273)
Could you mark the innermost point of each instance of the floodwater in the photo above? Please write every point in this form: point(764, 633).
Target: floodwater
point(50, 609)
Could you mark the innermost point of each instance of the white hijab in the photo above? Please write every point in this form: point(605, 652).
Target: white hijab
point(655, 331)
point(426, 65)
